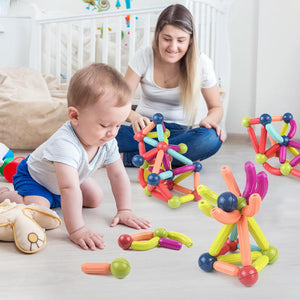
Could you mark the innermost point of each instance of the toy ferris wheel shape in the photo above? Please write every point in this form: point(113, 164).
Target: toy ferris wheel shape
point(282, 144)
point(156, 174)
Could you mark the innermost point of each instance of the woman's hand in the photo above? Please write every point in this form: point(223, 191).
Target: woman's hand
point(209, 123)
point(137, 121)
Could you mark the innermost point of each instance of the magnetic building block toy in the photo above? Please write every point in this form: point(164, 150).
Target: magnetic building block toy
point(236, 212)
point(282, 144)
point(156, 174)
point(147, 240)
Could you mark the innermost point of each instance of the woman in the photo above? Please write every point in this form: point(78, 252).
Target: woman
point(172, 75)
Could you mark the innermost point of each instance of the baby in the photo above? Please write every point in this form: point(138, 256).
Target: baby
point(58, 172)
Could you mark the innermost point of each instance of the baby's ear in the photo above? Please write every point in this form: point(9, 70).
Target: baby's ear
point(73, 113)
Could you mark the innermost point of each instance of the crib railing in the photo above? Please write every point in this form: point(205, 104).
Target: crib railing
point(55, 39)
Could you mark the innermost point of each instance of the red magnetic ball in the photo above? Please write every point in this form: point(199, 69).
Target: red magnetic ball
point(139, 136)
point(248, 275)
point(162, 146)
point(232, 244)
point(125, 241)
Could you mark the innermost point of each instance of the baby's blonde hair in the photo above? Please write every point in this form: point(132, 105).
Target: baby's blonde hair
point(190, 76)
point(89, 84)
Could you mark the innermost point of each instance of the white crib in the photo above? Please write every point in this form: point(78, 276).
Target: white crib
point(61, 45)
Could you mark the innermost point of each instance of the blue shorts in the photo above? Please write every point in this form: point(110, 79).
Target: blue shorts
point(25, 185)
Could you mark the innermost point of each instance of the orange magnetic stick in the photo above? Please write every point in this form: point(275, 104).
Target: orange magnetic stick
point(230, 181)
point(225, 217)
point(253, 207)
point(96, 268)
point(141, 236)
point(245, 249)
point(148, 128)
point(226, 268)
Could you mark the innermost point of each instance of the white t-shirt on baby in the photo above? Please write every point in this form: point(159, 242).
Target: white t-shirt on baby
point(64, 146)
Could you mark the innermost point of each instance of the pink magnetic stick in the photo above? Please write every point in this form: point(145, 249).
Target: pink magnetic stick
point(183, 169)
point(170, 244)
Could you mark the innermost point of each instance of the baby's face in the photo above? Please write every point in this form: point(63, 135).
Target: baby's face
point(100, 122)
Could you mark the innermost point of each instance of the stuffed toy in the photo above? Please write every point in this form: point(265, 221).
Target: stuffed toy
point(23, 224)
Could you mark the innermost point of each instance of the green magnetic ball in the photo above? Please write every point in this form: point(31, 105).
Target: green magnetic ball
point(285, 169)
point(272, 253)
point(174, 202)
point(183, 148)
point(160, 232)
point(261, 158)
point(245, 122)
point(120, 267)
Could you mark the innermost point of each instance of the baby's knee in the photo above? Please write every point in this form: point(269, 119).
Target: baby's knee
point(93, 199)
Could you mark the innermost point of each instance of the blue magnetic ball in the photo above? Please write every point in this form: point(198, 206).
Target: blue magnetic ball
point(138, 160)
point(227, 201)
point(158, 118)
point(153, 179)
point(198, 166)
point(206, 262)
point(265, 119)
point(285, 140)
point(287, 117)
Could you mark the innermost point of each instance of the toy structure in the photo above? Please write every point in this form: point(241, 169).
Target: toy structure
point(24, 225)
point(156, 165)
point(119, 267)
point(147, 240)
point(236, 211)
point(281, 144)
point(8, 163)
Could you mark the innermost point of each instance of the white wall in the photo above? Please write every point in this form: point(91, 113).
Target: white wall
point(265, 60)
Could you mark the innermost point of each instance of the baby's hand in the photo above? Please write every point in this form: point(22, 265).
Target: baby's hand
point(126, 217)
point(87, 238)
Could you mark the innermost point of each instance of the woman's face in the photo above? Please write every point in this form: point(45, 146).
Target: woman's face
point(173, 43)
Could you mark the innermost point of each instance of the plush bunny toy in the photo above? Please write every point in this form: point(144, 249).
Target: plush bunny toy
point(23, 224)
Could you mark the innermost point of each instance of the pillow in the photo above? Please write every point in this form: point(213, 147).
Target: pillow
point(28, 113)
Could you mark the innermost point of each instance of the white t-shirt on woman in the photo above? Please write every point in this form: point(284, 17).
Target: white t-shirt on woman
point(155, 99)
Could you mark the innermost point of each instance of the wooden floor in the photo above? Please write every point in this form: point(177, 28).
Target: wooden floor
point(55, 271)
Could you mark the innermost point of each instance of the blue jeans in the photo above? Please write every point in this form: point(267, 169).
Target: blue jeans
point(201, 142)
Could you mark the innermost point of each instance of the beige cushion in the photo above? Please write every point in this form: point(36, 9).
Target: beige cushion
point(32, 107)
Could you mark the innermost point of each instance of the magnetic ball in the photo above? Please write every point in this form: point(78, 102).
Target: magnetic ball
point(227, 201)
point(285, 169)
point(261, 158)
point(206, 262)
point(125, 241)
point(120, 267)
point(158, 118)
point(174, 202)
point(265, 119)
point(198, 166)
point(153, 179)
point(248, 275)
point(139, 136)
point(183, 148)
point(138, 160)
point(162, 146)
point(285, 140)
point(287, 117)
point(272, 253)
point(160, 232)
point(245, 122)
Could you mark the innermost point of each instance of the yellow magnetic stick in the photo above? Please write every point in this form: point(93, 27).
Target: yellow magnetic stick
point(260, 263)
point(180, 238)
point(145, 245)
point(235, 258)
point(186, 198)
point(205, 207)
point(207, 193)
point(220, 239)
point(257, 234)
